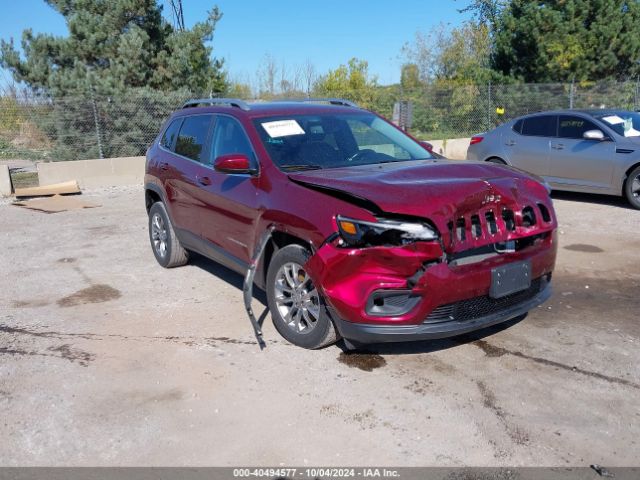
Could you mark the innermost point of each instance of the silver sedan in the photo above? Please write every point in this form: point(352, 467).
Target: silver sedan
point(593, 151)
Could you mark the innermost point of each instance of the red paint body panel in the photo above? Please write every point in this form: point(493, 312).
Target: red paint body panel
point(349, 276)
point(232, 212)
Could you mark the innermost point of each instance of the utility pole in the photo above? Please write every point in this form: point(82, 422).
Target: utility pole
point(571, 92)
point(94, 107)
point(489, 106)
point(178, 14)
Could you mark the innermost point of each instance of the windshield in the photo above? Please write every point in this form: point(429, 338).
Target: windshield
point(300, 142)
point(626, 124)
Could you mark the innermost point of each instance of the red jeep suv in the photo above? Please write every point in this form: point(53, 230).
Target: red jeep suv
point(352, 227)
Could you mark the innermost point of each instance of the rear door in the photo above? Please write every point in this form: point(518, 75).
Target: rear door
point(181, 182)
point(161, 161)
point(229, 201)
point(528, 147)
point(577, 162)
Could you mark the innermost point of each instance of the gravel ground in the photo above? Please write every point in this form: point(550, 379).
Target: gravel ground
point(108, 359)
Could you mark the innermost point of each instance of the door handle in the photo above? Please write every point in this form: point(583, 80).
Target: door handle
point(164, 166)
point(203, 180)
point(557, 146)
point(510, 143)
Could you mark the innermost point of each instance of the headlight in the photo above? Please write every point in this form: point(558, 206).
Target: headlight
point(360, 233)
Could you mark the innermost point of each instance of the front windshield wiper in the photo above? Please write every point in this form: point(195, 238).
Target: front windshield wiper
point(307, 166)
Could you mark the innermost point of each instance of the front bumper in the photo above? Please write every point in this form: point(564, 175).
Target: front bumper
point(349, 278)
point(371, 333)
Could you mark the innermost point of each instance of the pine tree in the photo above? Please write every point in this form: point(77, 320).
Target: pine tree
point(114, 45)
point(121, 70)
point(562, 40)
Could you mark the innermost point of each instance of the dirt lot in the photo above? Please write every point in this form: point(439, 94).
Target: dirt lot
point(106, 358)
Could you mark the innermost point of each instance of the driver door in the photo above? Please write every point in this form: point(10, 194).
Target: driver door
point(576, 161)
point(229, 202)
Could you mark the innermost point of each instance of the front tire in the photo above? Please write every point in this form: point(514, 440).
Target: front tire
point(297, 308)
point(632, 188)
point(165, 244)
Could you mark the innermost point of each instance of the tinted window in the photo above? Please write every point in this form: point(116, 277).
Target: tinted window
point(170, 133)
point(574, 127)
point(193, 136)
point(542, 126)
point(229, 137)
point(518, 126)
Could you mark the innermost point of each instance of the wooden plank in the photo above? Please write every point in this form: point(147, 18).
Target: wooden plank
point(48, 190)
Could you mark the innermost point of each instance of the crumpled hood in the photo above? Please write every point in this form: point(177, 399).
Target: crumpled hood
point(440, 190)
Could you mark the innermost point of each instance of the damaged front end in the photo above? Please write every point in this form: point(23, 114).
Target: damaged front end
point(486, 259)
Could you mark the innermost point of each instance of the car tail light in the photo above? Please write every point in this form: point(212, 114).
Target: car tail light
point(476, 139)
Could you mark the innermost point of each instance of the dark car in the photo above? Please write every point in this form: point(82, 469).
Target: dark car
point(351, 226)
point(593, 151)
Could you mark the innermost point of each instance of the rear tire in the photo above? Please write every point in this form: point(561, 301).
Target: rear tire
point(632, 188)
point(165, 244)
point(297, 308)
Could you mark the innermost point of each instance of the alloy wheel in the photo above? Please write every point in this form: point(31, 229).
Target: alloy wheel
point(159, 235)
point(297, 299)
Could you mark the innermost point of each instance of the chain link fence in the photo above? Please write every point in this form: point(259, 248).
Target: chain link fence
point(84, 127)
point(461, 111)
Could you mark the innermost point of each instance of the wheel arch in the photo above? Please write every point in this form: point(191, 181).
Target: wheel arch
point(152, 194)
point(496, 157)
point(279, 239)
point(627, 173)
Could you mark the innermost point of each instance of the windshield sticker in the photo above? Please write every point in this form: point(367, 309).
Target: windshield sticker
point(613, 119)
point(283, 128)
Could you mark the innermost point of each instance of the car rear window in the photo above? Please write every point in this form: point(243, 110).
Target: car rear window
point(540, 126)
point(517, 127)
point(192, 137)
point(170, 134)
point(574, 127)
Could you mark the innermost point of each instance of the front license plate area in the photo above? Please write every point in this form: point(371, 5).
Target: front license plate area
point(510, 278)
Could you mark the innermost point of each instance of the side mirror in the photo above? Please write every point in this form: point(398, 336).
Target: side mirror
point(233, 163)
point(427, 146)
point(593, 135)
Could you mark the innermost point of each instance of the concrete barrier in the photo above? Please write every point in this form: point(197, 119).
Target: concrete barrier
point(107, 172)
point(112, 172)
point(5, 181)
point(453, 148)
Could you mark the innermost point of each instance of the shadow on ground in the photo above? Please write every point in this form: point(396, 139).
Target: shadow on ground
point(594, 198)
point(401, 348)
point(227, 275)
point(430, 346)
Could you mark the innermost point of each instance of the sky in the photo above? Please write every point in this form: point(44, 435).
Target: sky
point(327, 32)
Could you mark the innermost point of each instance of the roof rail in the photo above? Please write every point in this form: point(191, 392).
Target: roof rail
point(231, 102)
point(331, 101)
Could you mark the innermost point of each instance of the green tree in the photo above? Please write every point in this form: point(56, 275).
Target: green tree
point(351, 81)
point(562, 40)
point(486, 12)
point(121, 69)
point(410, 77)
point(239, 90)
point(459, 56)
point(114, 45)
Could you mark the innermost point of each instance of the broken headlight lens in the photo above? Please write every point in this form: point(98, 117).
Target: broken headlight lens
point(360, 233)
